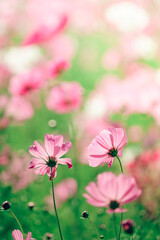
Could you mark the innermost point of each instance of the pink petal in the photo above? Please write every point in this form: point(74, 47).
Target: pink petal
point(41, 150)
point(103, 179)
point(94, 202)
point(36, 151)
point(119, 137)
point(95, 161)
point(104, 139)
point(36, 162)
point(41, 170)
point(93, 190)
point(54, 172)
point(65, 161)
point(49, 144)
point(63, 149)
point(17, 235)
point(29, 235)
point(117, 210)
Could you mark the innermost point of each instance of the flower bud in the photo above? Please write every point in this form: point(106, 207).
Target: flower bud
point(128, 226)
point(6, 205)
point(31, 205)
point(49, 236)
point(85, 214)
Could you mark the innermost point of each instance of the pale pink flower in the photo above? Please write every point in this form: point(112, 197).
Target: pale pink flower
point(65, 98)
point(27, 82)
point(17, 235)
point(106, 146)
point(17, 173)
point(45, 32)
point(63, 191)
point(50, 156)
point(112, 192)
point(145, 168)
point(19, 109)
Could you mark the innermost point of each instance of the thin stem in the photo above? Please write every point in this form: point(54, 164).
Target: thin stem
point(94, 227)
point(120, 163)
point(115, 225)
point(119, 235)
point(55, 206)
point(17, 221)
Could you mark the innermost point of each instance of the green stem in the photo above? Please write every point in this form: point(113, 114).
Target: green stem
point(120, 163)
point(55, 206)
point(115, 225)
point(17, 221)
point(119, 235)
point(94, 227)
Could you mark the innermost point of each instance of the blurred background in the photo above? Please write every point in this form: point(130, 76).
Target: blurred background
point(76, 67)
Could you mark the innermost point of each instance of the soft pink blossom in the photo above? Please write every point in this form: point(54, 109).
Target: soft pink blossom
point(63, 191)
point(106, 146)
point(112, 192)
point(65, 98)
point(145, 168)
point(19, 109)
point(17, 235)
point(16, 172)
point(27, 82)
point(50, 156)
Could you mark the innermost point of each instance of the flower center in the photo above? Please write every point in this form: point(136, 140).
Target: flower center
point(52, 162)
point(113, 205)
point(113, 152)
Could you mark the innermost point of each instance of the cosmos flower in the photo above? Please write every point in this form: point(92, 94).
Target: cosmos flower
point(106, 146)
point(17, 235)
point(50, 156)
point(112, 192)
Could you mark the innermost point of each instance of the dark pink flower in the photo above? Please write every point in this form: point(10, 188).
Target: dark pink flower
point(55, 67)
point(65, 98)
point(17, 235)
point(50, 156)
point(112, 191)
point(106, 146)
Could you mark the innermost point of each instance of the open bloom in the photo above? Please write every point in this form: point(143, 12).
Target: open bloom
point(49, 157)
point(17, 235)
point(112, 191)
point(106, 146)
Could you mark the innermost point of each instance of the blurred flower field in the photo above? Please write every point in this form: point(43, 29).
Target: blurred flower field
point(79, 119)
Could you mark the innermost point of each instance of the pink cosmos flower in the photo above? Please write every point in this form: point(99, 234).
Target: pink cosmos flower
point(106, 146)
point(25, 83)
point(112, 191)
point(65, 98)
point(17, 235)
point(50, 156)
